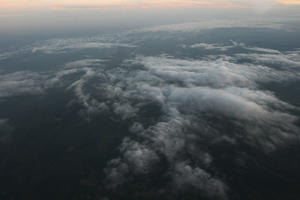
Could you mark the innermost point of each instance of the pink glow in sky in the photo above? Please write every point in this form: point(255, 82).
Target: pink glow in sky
point(98, 4)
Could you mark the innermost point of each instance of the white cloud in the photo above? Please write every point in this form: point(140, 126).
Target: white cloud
point(91, 104)
point(221, 47)
point(241, 104)
point(211, 24)
point(185, 175)
point(138, 156)
point(219, 72)
point(61, 46)
point(207, 46)
point(85, 63)
point(285, 60)
point(4, 56)
point(21, 83)
point(265, 50)
point(186, 91)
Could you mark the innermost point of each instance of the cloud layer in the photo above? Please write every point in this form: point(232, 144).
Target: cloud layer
point(179, 110)
point(189, 93)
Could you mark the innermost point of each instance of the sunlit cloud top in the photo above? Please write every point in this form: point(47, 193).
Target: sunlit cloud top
point(105, 4)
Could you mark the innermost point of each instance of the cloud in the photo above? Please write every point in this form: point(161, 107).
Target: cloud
point(254, 113)
point(263, 50)
point(4, 56)
point(207, 46)
point(84, 63)
point(71, 44)
point(220, 47)
point(9, 54)
point(21, 83)
point(189, 92)
point(220, 72)
point(139, 158)
point(63, 45)
point(188, 101)
point(91, 105)
point(281, 60)
point(185, 175)
point(136, 159)
point(199, 25)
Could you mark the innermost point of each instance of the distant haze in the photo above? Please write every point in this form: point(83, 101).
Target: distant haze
point(20, 19)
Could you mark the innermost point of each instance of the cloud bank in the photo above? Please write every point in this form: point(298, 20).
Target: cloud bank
point(195, 107)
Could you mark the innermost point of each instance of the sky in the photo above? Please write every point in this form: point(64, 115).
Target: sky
point(53, 18)
point(105, 4)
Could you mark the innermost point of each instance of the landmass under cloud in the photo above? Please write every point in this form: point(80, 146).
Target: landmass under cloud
point(195, 98)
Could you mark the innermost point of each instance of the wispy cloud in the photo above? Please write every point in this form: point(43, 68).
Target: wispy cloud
point(21, 83)
point(196, 26)
point(59, 46)
point(194, 99)
point(221, 47)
